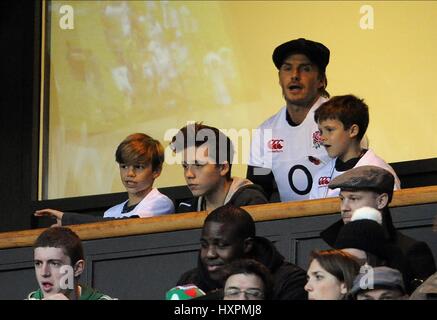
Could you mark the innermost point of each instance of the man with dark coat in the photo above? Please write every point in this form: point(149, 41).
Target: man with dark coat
point(373, 187)
point(228, 234)
point(428, 289)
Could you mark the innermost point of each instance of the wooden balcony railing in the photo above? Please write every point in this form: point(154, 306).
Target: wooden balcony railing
point(193, 220)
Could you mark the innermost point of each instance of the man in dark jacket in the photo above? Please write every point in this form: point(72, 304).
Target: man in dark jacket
point(428, 289)
point(373, 187)
point(207, 155)
point(229, 234)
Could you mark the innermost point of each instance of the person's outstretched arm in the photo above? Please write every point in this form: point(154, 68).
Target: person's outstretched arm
point(68, 218)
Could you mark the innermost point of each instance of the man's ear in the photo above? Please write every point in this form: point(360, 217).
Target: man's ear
point(354, 130)
point(224, 168)
point(78, 268)
point(248, 245)
point(382, 201)
point(322, 80)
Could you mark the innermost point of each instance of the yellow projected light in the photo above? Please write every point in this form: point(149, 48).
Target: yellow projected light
point(119, 67)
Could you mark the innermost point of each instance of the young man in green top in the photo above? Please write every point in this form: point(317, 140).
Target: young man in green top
point(59, 262)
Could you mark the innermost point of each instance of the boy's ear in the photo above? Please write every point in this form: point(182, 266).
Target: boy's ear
point(343, 288)
point(354, 130)
point(78, 268)
point(156, 173)
point(224, 168)
point(248, 245)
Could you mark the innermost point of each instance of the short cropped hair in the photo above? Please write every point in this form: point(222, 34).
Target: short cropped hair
point(340, 264)
point(250, 266)
point(139, 148)
point(64, 239)
point(347, 109)
point(238, 218)
point(198, 134)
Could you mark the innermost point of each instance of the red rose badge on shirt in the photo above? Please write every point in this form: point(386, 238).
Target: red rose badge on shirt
point(317, 140)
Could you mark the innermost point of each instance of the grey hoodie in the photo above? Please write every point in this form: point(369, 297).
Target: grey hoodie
point(241, 193)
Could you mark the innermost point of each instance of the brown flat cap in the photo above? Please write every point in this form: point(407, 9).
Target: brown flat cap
point(365, 178)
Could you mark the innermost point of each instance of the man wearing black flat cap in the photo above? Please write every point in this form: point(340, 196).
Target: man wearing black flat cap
point(373, 186)
point(288, 149)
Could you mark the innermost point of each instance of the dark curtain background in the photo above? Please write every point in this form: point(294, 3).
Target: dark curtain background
point(18, 111)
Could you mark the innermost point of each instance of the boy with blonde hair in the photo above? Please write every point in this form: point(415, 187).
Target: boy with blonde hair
point(140, 159)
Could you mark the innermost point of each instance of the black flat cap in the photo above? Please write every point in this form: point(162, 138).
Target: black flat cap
point(366, 235)
point(365, 178)
point(315, 51)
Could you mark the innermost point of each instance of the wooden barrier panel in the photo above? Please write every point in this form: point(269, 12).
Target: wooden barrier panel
point(143, 258)
point(193, 220)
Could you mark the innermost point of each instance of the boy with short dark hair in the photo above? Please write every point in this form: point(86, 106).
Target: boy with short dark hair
point(59, 262)
point(140, 159)
point(207, 161)
point(342, 123)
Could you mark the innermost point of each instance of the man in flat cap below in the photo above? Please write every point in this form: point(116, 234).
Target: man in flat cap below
point(373, 187)
point(381, 283)
point(286, 149)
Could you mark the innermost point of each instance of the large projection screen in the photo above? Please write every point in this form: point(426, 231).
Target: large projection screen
point(119, 67)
